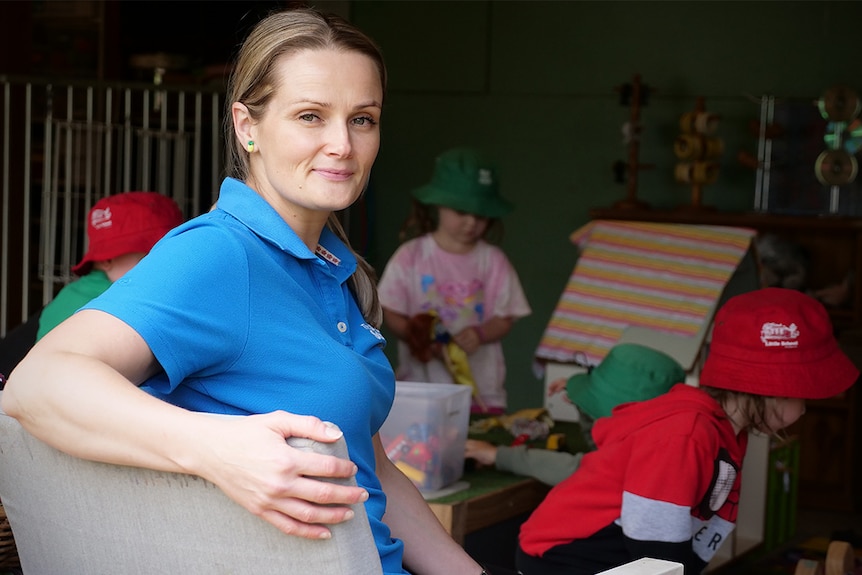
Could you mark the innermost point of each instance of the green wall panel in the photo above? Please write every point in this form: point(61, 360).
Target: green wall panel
point(719, 48)
point(430, 46)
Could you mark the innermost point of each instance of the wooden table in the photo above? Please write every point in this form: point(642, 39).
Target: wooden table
point(493, 496)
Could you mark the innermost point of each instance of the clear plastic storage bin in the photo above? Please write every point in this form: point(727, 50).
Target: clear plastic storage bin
point(425, 432)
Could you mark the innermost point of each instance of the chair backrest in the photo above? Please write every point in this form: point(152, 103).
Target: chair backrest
point(70, 515)
point(647, 566)
point(17, 342)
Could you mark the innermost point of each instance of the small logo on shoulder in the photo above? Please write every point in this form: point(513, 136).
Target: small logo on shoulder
point(774, 334)
point(374, 331)
point(327, 255)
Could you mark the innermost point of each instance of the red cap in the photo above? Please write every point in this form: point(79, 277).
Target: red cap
point(776, 342)
point(127, 223)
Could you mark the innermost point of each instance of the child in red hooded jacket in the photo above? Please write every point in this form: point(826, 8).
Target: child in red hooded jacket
point(665, 479)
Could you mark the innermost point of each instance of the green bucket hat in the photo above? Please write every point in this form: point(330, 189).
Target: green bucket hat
point(629, 372)
point(466, 181)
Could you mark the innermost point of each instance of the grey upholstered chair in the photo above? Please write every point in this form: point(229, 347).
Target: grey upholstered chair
point(647, 566)
point(70, 516)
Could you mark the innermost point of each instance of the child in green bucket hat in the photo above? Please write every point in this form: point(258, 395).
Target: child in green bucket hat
point(464, 180)
point(629, 372)
point(447, 267)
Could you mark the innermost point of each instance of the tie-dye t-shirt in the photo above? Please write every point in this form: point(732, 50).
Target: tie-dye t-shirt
point(465, 290)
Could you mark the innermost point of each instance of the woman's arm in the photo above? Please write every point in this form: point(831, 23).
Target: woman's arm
point(428, 549)
point(77, 391)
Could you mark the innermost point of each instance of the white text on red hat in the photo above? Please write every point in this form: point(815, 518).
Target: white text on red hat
point(774, 334)
point(101, 219)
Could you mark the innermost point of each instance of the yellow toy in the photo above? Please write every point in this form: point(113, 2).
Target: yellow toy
point(426, 329)
point(512, 420)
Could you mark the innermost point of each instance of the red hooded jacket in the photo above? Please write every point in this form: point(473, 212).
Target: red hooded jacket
point(663, 483)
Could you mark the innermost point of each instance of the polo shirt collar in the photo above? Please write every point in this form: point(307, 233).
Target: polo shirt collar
point(247, 206)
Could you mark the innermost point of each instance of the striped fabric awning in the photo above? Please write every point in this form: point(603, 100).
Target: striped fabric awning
point(666, 277)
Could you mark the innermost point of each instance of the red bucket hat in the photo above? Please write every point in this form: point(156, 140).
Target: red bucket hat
point(127, 223)
point(776, 342)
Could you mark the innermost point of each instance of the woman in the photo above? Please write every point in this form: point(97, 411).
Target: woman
point(257, 308)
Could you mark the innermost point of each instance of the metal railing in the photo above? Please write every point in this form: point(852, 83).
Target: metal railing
point(64, 145)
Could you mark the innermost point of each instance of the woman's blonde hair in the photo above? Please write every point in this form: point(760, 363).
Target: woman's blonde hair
point(253, 83)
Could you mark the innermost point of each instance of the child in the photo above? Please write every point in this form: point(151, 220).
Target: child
point(450, 271)
point(121, 230)
point(665, 479)
point(629, 372)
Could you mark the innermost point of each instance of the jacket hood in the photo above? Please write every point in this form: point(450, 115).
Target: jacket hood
point(685, 403)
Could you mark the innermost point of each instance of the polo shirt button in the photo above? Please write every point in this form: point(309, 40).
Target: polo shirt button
point(342, 327)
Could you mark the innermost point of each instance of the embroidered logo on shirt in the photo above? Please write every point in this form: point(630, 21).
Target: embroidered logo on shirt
point(101, 219)
point(374, 331)
point(774, 334)
point(327, 255)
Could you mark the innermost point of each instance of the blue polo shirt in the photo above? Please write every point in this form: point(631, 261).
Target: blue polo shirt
point(245, 319)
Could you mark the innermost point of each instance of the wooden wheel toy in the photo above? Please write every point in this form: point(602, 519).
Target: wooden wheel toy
point(836, 168)
point(840, 560)
point(634, 96)
point(698, 151)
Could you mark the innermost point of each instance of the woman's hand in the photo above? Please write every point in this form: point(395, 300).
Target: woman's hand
point(251, 462)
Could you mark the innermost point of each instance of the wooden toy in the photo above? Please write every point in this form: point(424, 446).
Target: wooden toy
point(837, 165)
point(635, 96)
point(697, 150)
point(840, 560)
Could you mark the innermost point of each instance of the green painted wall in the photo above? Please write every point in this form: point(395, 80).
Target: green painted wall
point(533, 82)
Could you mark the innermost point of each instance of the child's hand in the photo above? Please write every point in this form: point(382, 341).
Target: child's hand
point(483, 452)
point(468, 340)
point(418, 337)
point(557, 386)
point(436, 349)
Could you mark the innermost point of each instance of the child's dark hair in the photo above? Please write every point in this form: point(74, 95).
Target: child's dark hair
point(423, 219)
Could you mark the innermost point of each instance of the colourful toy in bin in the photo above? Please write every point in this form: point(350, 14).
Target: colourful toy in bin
point(418, 448)
point(426, 430)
